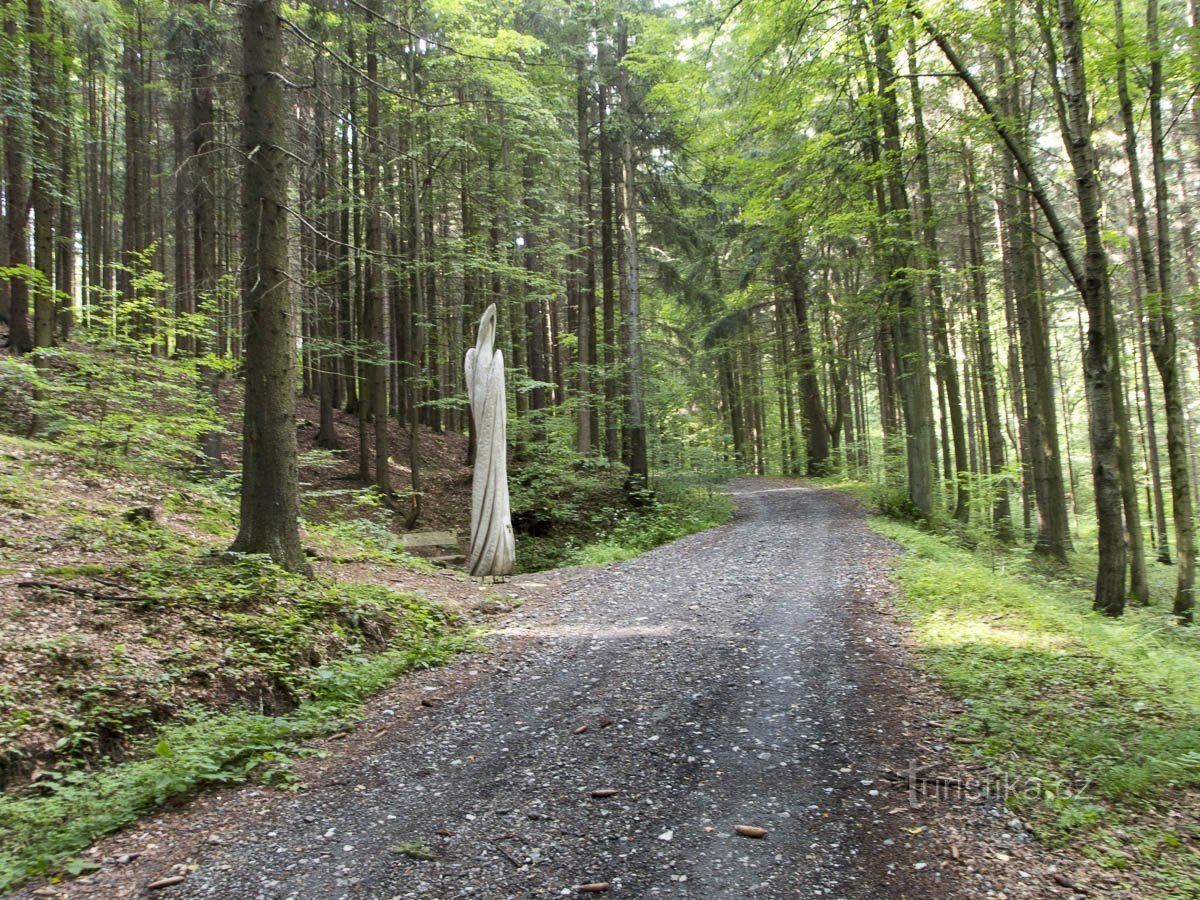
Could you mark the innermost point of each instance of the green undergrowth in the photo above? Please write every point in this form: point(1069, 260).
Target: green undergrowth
point(152, 663)
point(589, 520)
point(1094, 722)
point(41, 828)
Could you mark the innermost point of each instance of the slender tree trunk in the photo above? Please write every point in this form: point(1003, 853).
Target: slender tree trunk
point(535, 321)
point(64, 245)
point(584, 440)
point(16, 189)
point(134, 233)
point(1102, 361)
point(608, 289)
point(1001, 511)
point(375, 299)
point(813, 427)
point(1163, 542)
point(639, 473)
point(1164, 343)
point(947, 372)
point(329, 274)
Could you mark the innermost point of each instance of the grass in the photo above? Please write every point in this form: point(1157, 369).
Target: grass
point(213, 668)
point(1101, 715)
point(41, 828)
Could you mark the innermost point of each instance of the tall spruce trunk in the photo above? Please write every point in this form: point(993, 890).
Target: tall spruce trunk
point(134, 231)
point(270, 498)
point(43, 187)
point(586, 326)
point(202, 127)
point(16, 192)
point(813, 427)
point(631, 314)
point(326, 262)
point(608, 290)
point(375, 329)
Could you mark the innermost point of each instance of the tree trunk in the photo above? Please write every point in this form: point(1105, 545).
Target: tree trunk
point(915, 396)
point(1001, 510)
point(16, 191)
point(608, 290)
point(1101, 361)
point(639, 473)
point(586, 291)
point(813, 427)
point(1164, 343)
point(947, 371)
point(375, 329)
point(270, 498)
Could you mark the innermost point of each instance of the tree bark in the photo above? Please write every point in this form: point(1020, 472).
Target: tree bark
point(639, 473)
point(915, 396)
point(270, 498)
point(375, 300)
point(947, 371)
point(813, 427)
point(1164, 343)
point(16, 193)
point(608, 291)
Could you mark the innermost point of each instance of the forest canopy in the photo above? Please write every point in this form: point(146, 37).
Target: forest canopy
point(946, 249)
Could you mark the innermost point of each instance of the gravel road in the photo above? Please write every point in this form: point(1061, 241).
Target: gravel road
point(721, 680)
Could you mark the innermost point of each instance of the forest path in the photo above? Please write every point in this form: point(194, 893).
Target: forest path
point(740, 688)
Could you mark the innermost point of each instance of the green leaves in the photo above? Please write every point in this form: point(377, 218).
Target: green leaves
point(45, 824)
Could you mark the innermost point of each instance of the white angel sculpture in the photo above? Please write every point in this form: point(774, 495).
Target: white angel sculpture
point(492, 548)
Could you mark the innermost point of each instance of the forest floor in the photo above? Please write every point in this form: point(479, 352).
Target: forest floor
point(116, 610)
point(753, 675)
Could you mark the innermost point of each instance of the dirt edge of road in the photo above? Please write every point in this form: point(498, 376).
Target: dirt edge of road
point(955, 843)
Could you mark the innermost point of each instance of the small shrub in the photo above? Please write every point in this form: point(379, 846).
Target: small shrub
point(18, 380)
point(892, 500)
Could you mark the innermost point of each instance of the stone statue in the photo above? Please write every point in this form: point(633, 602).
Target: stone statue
point(492, 548)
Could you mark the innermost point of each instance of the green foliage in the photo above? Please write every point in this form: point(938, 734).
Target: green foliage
point(117, 405)
point(44, 825)
point(120, 396)
point(414, 850)
point(18, 380)
point(893, 501)
point(1105, 714)
point(572, 510)
point(363, 540)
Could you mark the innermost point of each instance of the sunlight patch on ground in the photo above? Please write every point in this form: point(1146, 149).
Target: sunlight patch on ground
point(591, 632)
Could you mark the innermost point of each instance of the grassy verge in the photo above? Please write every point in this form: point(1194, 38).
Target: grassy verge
point(139, 662)
point(44, 825)
point(1102, 716)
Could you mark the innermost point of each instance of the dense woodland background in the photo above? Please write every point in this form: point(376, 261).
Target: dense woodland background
point(946, 248)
